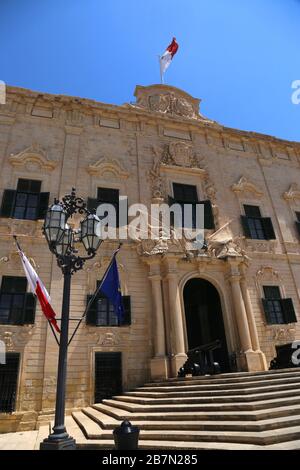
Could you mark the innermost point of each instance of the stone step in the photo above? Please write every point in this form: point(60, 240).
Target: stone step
point(233, 406)
point(107, 422)
point(220, 415)
point(93, 431)
point(211, 398)
point(228, 378)
point(230, 388)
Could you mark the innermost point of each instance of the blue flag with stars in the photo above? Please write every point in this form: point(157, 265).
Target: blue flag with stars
point(110, 287)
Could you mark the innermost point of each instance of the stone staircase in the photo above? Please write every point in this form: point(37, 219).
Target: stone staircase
point(228, 411)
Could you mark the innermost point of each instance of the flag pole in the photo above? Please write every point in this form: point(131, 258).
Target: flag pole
point(95, 293)
point(161, 74)
point(50, 324)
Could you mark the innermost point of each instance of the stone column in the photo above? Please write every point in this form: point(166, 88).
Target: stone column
point(251, 320)
point(159, 363)
point(178, 347)
point(249, 360)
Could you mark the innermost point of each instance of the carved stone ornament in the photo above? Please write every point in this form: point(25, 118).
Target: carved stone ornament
point(33, 158)
point(107, 166)
point(16, 337)
point(167, 99)
point(181, 154)
point(283, 333)
point(244, 185)
point(267, 273)
point(293, 193)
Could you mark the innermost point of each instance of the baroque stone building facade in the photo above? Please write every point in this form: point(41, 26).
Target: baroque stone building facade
point(180, 297)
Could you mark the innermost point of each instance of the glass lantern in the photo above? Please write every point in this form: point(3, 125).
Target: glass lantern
point(89, 233)
point(65, 242)
point(54, 224)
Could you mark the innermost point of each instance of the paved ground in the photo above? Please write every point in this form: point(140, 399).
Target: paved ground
point(26, 440)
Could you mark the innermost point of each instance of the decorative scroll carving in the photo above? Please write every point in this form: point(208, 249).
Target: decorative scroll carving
point(244, 185)
point(293, 193)
point(33, 158)
point(283, 333)
point(16, 337)
point(181, 154)
point(267, 273)
point(104, 166)
point(167, 99)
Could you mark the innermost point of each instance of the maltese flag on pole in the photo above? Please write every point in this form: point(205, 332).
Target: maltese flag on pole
point(167, 56)
point(38, 288)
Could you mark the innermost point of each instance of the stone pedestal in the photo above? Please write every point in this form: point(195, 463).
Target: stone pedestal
point(159, 368)
point(177, 361)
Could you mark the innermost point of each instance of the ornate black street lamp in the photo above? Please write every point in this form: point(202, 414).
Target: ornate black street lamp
point(62, 241)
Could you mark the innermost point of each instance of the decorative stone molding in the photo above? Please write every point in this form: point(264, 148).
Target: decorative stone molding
point(30, 228)
point(106, 166)
point(168, 100)
point(283, 333)
point(173, 155)
point(257, 246)
point(16, 337)
point(267, 273)
point(293, 193)
point(33, 158)
point(109, 339)
point(244, 185)
point(180, 154)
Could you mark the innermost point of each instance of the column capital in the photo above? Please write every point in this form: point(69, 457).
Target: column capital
point(154, 277)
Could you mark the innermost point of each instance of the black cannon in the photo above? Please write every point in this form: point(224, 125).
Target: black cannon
point(283, 358)
point(200, 360)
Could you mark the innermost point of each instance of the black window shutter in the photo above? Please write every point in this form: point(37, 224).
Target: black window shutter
point(208, 215)
point(298, 227)
point(245, 226)
point(268, 228)
point(8, 202)
point(92, 311)
point(266, 310)
point(288, 311)
point(92, 203)
point(43, 205)
point(127, 310)
point(29, 308)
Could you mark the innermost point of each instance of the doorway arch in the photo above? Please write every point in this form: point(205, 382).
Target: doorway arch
point(204, 318)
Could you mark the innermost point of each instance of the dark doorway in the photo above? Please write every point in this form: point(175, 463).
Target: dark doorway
point(108, 375)
point(8, 382)
point(204, 319)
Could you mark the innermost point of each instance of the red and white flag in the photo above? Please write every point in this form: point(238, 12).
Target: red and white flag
point(38, 288)
point(167, 56)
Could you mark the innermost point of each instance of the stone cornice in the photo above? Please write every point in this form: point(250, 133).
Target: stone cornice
point(126, 111)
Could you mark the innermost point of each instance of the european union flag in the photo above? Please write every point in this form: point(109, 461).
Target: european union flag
point(110, 287)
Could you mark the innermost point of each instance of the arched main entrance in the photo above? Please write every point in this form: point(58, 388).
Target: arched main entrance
point(204, 319)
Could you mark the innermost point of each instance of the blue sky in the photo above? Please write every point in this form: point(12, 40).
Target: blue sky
point(239, 56)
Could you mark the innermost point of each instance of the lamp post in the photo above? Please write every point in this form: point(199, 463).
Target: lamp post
point(62, 241)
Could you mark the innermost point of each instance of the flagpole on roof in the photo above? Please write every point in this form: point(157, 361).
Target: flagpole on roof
point(160, 71)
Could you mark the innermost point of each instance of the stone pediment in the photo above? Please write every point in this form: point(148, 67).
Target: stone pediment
point(244, 186)
point(32, 158)
point(167, 99)
point(292, 193)
point(107, 166)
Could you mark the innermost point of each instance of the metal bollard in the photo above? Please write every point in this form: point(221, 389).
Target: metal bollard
point(126, 436)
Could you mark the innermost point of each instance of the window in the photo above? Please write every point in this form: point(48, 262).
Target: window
point(277, 310)
point(101, 312)
point(17, 307)
point(8, 382)
point(255, 226)
point(104, 196)
point(26, 202)
point(298, 222)
point(187, 194)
